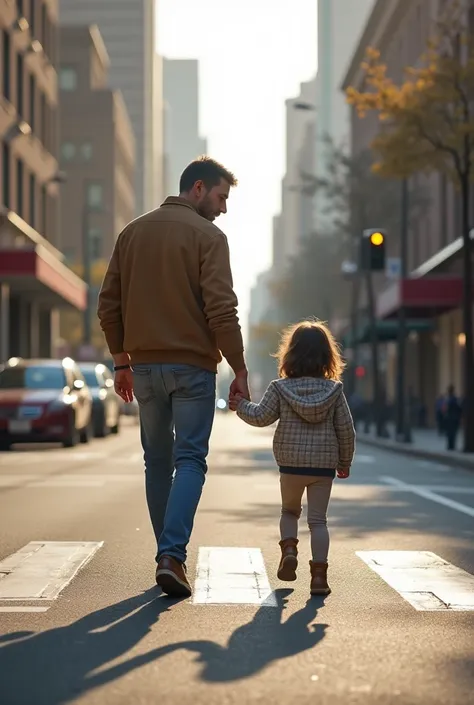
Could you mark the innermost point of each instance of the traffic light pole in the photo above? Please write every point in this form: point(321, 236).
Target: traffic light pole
point(403, 433)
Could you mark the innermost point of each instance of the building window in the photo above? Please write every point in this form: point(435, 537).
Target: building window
point(95, 243)
point(94, 196)
point(86, 151)
point(19, 187)
point(20, 72)
point(6, 175)
point(6, 53)
point(68, 78)
point(32, 201)
point(68, 151)
point(32, 102)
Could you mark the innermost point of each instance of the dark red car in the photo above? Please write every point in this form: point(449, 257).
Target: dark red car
point(43, 401)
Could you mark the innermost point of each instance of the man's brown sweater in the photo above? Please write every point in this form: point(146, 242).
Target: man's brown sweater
point(167, 296)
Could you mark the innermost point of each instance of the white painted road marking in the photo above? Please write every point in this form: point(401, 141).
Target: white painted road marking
point(42, 569)
point(23, 608)
point(427, 494)
point(85, 480)
point(229, 576)
point(423, 579)
point(368, 459)
point(66, 456)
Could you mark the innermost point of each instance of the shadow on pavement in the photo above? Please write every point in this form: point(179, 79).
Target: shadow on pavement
point(52, 667)
point(358, 518)
point(58, 665)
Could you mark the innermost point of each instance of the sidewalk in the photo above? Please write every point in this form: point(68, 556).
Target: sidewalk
point(425, 444)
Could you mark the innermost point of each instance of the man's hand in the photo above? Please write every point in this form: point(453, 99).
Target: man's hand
point(123, 384)
point(240, 385)
point(343, 473)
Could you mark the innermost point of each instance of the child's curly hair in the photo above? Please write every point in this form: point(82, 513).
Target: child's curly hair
point(309, 349)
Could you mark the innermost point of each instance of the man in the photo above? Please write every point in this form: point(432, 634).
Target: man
point(168, 311)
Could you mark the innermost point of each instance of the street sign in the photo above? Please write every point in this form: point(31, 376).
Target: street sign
point(393, 268)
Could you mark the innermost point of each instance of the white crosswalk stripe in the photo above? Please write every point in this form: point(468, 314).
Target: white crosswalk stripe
point(33, 577)
point(426, 581)
point(40, 571)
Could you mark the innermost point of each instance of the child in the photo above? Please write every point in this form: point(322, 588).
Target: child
point(315, 438)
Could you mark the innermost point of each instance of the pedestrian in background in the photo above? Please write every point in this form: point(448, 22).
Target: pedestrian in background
point(169, 312)
point(452, 415)
point(314, 439)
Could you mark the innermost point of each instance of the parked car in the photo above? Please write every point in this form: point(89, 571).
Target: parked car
point(43, 401)
point(106, 404)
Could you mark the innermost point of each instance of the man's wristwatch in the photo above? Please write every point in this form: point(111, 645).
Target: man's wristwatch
point(121, 367)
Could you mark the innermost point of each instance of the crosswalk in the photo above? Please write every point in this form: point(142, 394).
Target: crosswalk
point(32, 578)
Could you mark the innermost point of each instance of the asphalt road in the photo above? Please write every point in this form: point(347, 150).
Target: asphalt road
point(111, 638)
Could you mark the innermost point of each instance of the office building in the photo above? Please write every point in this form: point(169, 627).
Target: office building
point(128, 31)
point(183, 142)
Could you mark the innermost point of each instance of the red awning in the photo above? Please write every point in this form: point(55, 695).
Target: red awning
point(423, 298)
point(38, 273)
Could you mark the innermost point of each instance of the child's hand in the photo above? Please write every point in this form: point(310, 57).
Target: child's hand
point(234, 401)
point(343, 473)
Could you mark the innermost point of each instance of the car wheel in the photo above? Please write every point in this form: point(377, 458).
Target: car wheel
point(115, 429)
point(84, 434)
point(71, 439)
point(100, 426)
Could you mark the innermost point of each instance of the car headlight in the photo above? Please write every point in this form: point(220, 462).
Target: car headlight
point(64, 401)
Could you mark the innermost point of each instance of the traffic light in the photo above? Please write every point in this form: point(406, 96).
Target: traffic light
point(373, 250)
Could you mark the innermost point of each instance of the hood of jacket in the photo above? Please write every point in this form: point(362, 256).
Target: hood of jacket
point(309, 397)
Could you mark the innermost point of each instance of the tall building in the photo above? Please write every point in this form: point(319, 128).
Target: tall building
point(128, 30)
point(97, 148)
point(340, 25)
point(183, 142)
point(34, 281)
point(296, 201)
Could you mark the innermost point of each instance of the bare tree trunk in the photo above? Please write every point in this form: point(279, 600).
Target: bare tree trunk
point(468, 410)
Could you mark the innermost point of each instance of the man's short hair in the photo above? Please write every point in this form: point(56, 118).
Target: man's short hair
point(206, 170)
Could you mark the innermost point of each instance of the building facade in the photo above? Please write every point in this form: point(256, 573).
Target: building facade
point(340, 25)
point(432, 293)
point(183, 142)
point(34, 280)
point(128, 31)
point(97, 150)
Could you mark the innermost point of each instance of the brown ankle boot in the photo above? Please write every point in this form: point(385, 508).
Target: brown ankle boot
point(319, 580)
point(289, 560)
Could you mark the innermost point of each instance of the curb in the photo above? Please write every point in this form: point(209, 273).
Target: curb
point(454, 459)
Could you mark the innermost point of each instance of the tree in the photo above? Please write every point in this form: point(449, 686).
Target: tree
point(427, 124)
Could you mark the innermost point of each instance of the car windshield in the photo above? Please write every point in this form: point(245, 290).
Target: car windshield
point(90, 377)
point(32, 378)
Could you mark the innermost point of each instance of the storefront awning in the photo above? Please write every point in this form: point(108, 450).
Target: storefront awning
point(387, 331)
point(422, 297)
point(33, 268)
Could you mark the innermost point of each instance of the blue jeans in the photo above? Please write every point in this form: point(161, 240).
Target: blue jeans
point(177, 406)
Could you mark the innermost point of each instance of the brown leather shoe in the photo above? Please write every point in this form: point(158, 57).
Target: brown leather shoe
point(171, 577)
point(319, 580)
point(289, 560)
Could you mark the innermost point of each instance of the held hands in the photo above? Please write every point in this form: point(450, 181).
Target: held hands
point(343, 473)
point(239, 389)
point(234, 400)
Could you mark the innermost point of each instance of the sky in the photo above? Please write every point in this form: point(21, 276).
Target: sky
point(253, 55)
